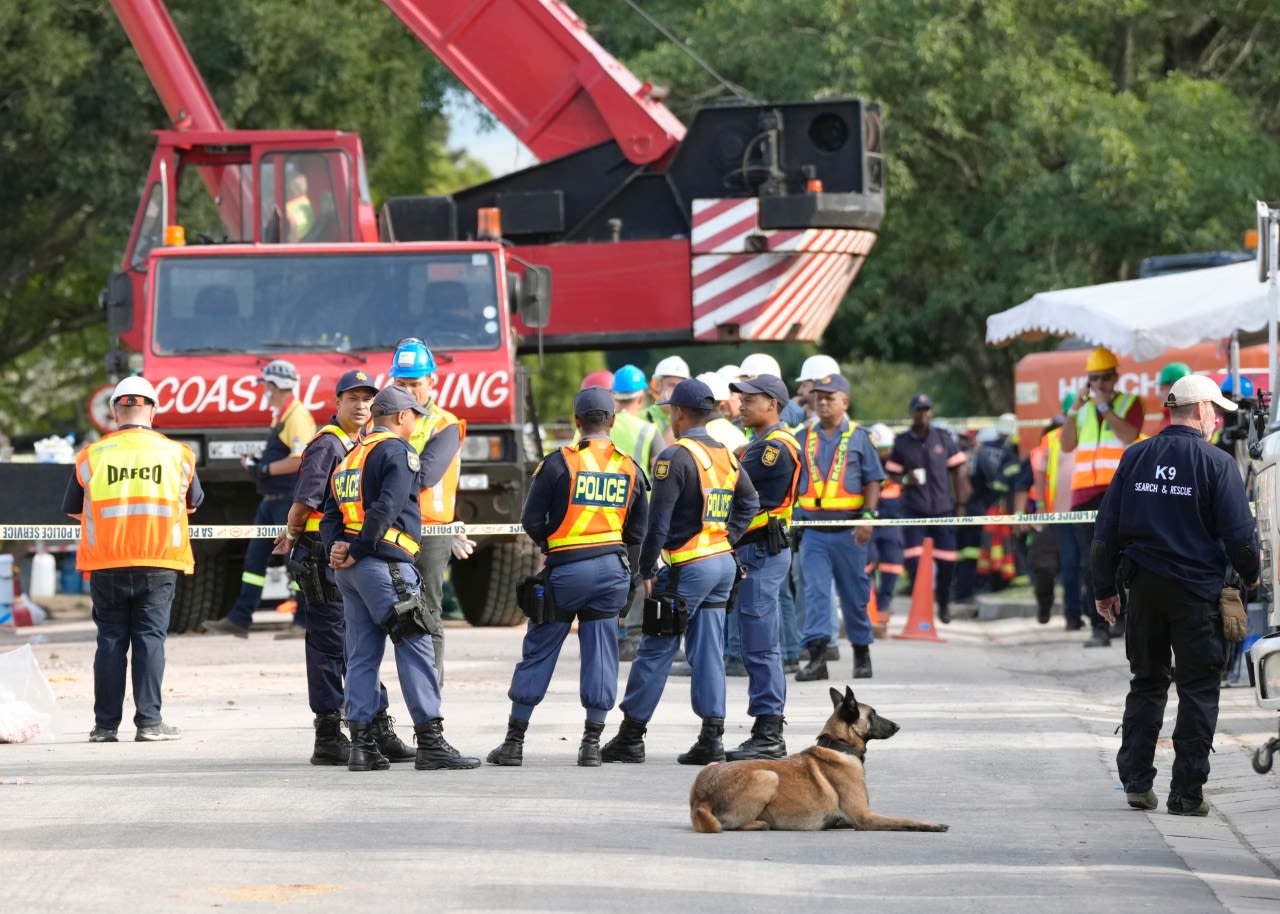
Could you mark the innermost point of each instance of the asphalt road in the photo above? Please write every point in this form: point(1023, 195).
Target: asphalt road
point(1007, 736)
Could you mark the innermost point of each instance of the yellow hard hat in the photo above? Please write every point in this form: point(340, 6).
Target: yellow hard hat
point(1101, 359)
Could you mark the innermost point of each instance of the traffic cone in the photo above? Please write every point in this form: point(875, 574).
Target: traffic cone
point(873, 608)
point(919, 625)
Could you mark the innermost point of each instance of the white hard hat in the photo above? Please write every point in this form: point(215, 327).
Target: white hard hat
point(1007, 425)
point(759, 363)
point(719, 386)
point(881, 435)
point(280, 373)
point(988, 435)
point(135, 386)
point(672, 367)
point(730, 373)
point(818, 366)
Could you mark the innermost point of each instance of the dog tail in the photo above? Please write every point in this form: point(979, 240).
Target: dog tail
point(703, 819)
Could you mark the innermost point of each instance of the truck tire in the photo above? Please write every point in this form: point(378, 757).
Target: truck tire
point(486, 582)
point(210, 591)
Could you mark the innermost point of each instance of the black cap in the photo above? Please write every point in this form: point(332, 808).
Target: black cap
point(593, 400)
point(691, 393)
point(391, 400)
point(355, 378)
point(832, 383)
point(921, 401)
point(767, 384)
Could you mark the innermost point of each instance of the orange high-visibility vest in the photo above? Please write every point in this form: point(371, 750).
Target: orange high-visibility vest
point(787, 506)
point(718, 475)
point(135, 502)
point(1098, 450)
point(829, 494)
point(601, 479)
point(346, 484)
point(439, 502)
point(314, 515)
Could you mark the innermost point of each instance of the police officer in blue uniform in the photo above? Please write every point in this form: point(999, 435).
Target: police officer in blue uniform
point(371, 527)
point(772, 462)
point(309, 568)
point(587, 510)
point(1172, 520)
point(701, 504)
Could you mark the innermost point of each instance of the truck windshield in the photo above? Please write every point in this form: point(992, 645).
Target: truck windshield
point(238, 303)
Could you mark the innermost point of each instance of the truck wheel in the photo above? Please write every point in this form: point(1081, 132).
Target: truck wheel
point(210, 591)
point(486, 582)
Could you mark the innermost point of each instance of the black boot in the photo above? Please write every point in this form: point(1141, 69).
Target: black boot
point(511, 752)
point(332, 745)
point(589, 751)
point(434, 753)
point(816, 668)
point(709, 747)
point(628, 745)
point(765, 742)
point(391, 746)
point(364, 749)
point(862, 661)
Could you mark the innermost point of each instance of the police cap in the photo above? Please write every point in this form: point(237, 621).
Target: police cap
point(691, 394)
point(769, 385)
point(832, 383)
point(353, 379)
point(592, 400)
point(391, 400)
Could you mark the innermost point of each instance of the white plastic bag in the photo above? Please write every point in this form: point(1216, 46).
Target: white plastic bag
point(28, 710)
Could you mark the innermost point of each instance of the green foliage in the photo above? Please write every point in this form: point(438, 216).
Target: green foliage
point(559, 378)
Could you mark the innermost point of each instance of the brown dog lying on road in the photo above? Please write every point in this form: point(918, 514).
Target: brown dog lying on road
point(825, 786)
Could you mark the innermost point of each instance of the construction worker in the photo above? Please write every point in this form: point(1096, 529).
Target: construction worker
point(309, 567)
point(602, 378)
point(371, 526)
point(587, 510)
point(772, 461)
point(884, 552)
point(701, 504)
point(131, 491)
point(669, 372)
point(437, 437)
point(801, 409)
point(630, 433)
point(274, 474)
point(1100, 424)
point(839, 481)
point(298, 210)
point(1168, 375)
point(718, 426)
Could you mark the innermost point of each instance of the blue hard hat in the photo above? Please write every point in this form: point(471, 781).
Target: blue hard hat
point(1246, 386)
point(412, 360)
point(629, 380)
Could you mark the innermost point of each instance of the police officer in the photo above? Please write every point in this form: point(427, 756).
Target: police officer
point(839, 481)
point(132, 491)
point(772, 461)
point(300, 540)
point(701, 503)
point(587, 510)
point(370, 527)
point(437, 437)
point(274, 475)
point(1172, 519)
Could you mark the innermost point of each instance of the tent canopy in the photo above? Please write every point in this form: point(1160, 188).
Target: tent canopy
point(1143, 317)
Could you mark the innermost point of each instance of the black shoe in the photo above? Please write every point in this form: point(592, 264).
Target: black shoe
point(813, 670)
point(861, 661)
point(944, 613)
point(1099, 638)
point(765, 742)
point(511, 753)
point(710, 745)
point(364, 749)
point(1181, 807)
point(435, 753)
point(224, 627)
point(628, 745)
point(589, 750)
point(332, 746)
point(1043, 613)
point(392, 747)
point(104, 735)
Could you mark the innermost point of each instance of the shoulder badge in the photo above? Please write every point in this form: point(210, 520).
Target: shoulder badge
point(770, 455)
point(538, 468)
point(411, 458)
point(661, 468)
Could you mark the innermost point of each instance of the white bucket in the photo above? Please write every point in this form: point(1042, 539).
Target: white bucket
point(44, 576)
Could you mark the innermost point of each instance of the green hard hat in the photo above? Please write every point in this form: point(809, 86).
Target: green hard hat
point(1174, 371)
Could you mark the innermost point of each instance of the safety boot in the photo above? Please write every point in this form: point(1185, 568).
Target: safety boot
point(628, 745)
point(765, 742)
point(435, 753)
point(589, 751)
point(511, 752)
point(389, 744)
point(861, 661)
point(332, 746)
point(709, 747)
point(816, 668)
point(364, 749)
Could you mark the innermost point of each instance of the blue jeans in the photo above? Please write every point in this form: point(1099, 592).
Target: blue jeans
point(1069, 564)
point(271, 511)
point(131, 609)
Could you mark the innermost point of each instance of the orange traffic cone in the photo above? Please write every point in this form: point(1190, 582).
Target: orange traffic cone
point(919, 625)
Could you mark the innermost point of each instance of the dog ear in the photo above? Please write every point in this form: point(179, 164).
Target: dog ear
point(848, 708)
point(836, 698)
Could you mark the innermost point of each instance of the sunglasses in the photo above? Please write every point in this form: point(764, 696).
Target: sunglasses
point(1102, 376)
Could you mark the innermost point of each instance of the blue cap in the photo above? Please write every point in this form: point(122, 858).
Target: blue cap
point(391, 400)
point(592, 400)
point(355, 378)
point(691, 393)
point(832, 383)
point(767, 384)
point(921, 401)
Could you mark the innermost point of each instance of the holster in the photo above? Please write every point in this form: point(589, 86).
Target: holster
point(408, 613)
point(777, 536)
point(305, 565)
point(665, 613)
point(535, 598)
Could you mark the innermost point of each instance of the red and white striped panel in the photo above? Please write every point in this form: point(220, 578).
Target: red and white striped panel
point(788, 291)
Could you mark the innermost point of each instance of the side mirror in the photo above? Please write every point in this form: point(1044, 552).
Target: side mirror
point(117, 301)
point(534, 297)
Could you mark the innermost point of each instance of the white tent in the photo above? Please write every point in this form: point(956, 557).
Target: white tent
point(1143, 317)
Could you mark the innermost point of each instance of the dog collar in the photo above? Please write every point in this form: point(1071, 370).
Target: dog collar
point(827, 742)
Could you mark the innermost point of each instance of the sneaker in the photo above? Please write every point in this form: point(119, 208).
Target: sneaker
point(733, 666)
point(224, 627)
point(103, 735)
point(1182, 808)
point(293, 631)
point(1144, 800)
point(153, 733)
